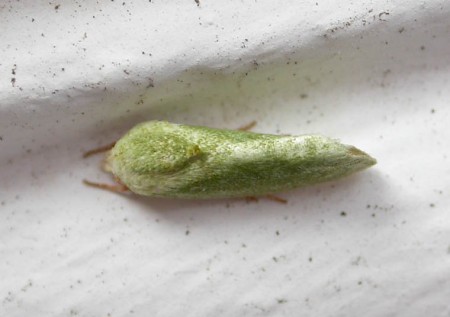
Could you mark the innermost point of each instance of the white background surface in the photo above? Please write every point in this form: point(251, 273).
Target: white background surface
point(374, 74)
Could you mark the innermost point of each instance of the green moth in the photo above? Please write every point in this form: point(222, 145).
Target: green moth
point(163, 159)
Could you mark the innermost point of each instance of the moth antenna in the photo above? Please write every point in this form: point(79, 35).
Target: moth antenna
point(99, 150)
point(118, 188)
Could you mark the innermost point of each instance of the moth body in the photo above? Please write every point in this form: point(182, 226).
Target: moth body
point(163, 159)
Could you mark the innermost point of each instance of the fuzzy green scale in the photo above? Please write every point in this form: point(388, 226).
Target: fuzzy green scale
point(163, 159)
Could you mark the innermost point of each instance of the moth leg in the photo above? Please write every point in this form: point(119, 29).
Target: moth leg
point(118, 188)
point(269, 197)
point(276, 199)
point(248, 126)
point(99, 150)
point(251, 199)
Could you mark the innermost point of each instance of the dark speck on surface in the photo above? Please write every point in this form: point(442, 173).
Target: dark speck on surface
point(151, 83)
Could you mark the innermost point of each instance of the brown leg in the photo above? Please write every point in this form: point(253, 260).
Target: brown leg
point(248, 126)
point(251, 199)
point(274, 198)
point(99, 150)
point(277, 199)
point(118, 188)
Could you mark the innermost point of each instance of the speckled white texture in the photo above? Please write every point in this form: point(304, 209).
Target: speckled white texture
point(374, 74)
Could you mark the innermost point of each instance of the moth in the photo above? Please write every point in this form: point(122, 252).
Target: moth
point(163, 159)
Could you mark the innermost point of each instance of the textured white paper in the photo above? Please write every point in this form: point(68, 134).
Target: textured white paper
point(77, 75)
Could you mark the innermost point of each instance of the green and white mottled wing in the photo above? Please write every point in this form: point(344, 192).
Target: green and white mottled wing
point(170, 160)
